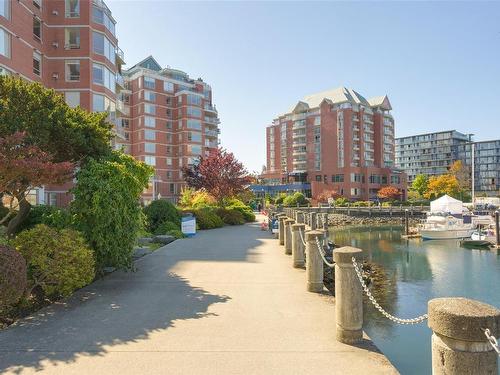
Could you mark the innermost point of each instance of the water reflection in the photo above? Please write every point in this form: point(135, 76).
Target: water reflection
point(412, 272)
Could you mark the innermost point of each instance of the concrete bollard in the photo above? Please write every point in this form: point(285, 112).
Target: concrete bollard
point(313, 221)
point(298, 245)
point(281, 227)
point(348, 296)
point(288, 235)
point(325, 222)
point(300, 217)
point(459, 345)
point(314, 263)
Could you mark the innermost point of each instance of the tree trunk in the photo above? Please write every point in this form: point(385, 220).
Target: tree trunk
point(22, 214)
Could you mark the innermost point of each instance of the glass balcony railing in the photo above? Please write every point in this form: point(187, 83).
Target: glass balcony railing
point(120, 55)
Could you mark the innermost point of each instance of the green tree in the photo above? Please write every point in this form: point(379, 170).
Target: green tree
point(106, 206)
point(420, 184)
point(441, 185)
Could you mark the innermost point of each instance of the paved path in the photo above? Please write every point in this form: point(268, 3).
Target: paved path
point(224, 302)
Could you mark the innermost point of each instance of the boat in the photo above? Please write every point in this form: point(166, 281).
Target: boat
point(486, 234)
point(474, 244)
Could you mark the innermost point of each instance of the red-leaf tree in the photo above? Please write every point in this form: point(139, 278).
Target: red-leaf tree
point(388, 192)
point(219, 173)
point(326, 194)
point(22, 168)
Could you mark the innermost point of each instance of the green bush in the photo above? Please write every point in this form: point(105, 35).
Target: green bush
point(295, 199)
point(279, 198)
point(341, 202)
point(176, 233)
point(59, 261)
point(159, 212)
point(246, 211)
point(362, 204)
point(106, 207)
point(230, 216)
point(13, 277)
point(166, 226)
point(206, 218)
point(51, 216)
point(386, 204)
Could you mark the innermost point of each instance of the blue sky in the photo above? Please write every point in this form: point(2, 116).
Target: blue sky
point(439, 62)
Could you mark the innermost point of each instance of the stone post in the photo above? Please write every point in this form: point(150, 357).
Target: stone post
point(288, 235)
point(325, 222)
point(312, 220)
point(300, 217)
point(348, 296)
point(407, 223)
point(459, 345)
point(281, 226)
point(298, 245)
point(497, 227)
point(314, 263)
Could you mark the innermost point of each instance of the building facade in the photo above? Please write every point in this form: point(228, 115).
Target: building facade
point(168, 121)
point(429, 154)
point(69, 46)
point(335, 140)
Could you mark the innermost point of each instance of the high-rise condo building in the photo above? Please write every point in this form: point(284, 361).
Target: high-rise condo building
point(335, 140)
point(169, 121)
point(69, 46)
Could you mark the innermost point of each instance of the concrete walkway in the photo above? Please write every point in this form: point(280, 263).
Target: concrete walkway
point(224, 302)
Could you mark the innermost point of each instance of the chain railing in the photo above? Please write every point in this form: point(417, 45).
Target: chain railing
point(418, 319)
point(302, 237)
point(492, 340)
point(322, 252)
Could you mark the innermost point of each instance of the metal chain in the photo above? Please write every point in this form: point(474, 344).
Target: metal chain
point(302, 237)
point(492, 340)
point(323, 254)
point(418, 319)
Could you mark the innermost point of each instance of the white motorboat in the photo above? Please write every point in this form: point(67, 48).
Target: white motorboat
point(486, 234)
point(442, 226)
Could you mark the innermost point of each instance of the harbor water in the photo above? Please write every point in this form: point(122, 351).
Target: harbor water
point(410, 273)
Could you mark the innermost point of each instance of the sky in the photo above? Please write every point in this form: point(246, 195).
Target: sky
point(438, 62)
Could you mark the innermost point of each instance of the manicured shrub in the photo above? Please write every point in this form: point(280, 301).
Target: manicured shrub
point(230, 216)
point(386, 204)
point(341, 202)
point(176, 233)
point(106, 207)
point(295, 199)
point(246, 211)
point(51, 216)
point(206, 218)
point(159, 212)
point(166, 226)
point(279, 199)
point(13, 277)
point(59, 261)
point(195, 199)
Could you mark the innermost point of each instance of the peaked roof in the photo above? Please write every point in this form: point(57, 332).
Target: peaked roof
point(334, 96)
point(380, 101)
point(148, 63)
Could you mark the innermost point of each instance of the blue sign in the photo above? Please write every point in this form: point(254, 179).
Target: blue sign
point(188, 225)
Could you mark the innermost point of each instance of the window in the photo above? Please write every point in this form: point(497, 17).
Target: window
point(195, 150)
point(72, 98)
point(37, 28)
point(101, 75)
point(102, 46)
point(72, 70)
point(319, 178)
point(149, 108)
point(168, 86)
point(4, 8)
point(150, 160)
point(99, 16)
point(150, 135)
point(4, 43)
point(194, 137)
point(149, 82)
point(72, 8)
point(169, 161)
point(98, 103)
point(149, 96)
point(149, 121)
point(52, 199)
point(150, 147)
point(194, 112)
point(172, 188)
point(194, 99)
point(71, 38)
point(194, 124)
point(37, 63)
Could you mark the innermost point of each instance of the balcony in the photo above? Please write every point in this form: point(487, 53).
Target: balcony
point(210, 108)
point(298, 135)
point(122, 108)
point(212, 120)
point(299, 125)
point(120, 56)
point(211, 133)
point(119, 132)
point(120, 82)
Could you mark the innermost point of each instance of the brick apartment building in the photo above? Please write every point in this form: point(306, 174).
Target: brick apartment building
point(163, 117)
point(335, 140)
point(170, 121)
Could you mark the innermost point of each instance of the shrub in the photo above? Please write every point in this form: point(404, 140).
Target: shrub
point(160, 211)
point(362, 204)
point(206, 218)
point(386, 204)
point(165, 227)
point(106, 207)
point(59, 261)
point(294, 199)
point(341, 202)
point(51, 216)
point(327, 194)
point(279, 199)
point(13, 277)
point(246, 211)
point(231, 216)
point(191, 198)
point(176, 233)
